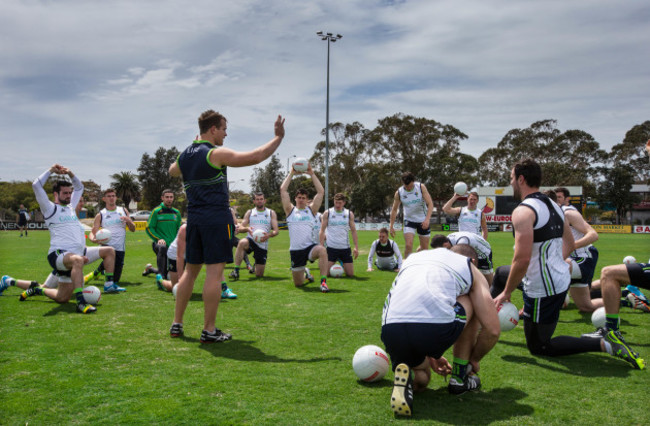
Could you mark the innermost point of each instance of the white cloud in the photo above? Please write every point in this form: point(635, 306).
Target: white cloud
point(95, 84)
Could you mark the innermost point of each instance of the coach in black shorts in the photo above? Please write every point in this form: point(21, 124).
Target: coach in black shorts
point(210, 226)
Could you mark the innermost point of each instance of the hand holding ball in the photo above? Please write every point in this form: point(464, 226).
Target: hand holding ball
point(301, 165)
point(460, 188)
point(102, 236)
point(508, 316)
point(258, 234)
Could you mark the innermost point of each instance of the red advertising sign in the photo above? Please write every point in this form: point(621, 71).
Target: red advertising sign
point(642, 229)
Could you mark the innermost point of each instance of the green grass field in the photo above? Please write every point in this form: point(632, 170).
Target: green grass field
point(290, 358)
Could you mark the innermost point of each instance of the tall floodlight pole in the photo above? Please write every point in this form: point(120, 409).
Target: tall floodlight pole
point(331, 38)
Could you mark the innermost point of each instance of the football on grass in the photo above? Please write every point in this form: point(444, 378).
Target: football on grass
point(370, 363)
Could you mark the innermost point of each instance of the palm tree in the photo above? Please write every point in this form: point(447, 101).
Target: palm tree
point(126, 186)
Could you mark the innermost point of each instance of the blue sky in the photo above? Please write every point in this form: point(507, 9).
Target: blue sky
point(94, 85)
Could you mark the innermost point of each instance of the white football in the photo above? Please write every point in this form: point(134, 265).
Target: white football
point(92, 294)
point(460, 188)
point(301, 164)
point(598, 317)
point(508, 316)
point(174, 290)
point(103, 235)
point(629, 259)
point(370, 363)
point(257, 235)
point(336, 271)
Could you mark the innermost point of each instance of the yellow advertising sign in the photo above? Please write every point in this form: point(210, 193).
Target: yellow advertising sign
point(140, 225)
point(613, 229)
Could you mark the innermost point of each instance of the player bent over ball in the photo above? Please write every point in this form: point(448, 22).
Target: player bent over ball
point(439, 299)
point(389, 257)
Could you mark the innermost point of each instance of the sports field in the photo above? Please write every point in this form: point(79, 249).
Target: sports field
point(290, 358)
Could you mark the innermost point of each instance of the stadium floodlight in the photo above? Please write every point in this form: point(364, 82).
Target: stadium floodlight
point(330, 37)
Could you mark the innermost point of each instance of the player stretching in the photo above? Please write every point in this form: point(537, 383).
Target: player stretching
point(470, 218)
point(418, 208)
point(203, 167)
point(482, 247)
point(437, 300)
point(543, 240)
point(259, 217)
point(335, 224)
point(300, 221)
point(116, 219)
point(68, 252)
point(584, 258)
point(389, 257)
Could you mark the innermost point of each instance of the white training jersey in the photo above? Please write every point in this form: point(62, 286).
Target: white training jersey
point(478, 243)
point(415, 208)
point(338, 226)
point(300, 224)
point(582, 251)
point(316, 229)
point(470, 220)
point(390, 250)
point(426, 288)
point(110, 219)
point(66, 232)
point(172, 250)
point(548, 274)
point(260, 220)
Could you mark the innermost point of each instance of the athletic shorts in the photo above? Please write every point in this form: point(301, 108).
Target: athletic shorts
point(583, 268)
point(543, 310)
point(22, 221)
point(171, 265)
point(386, 263)
point(411, 343)
point(485, 264)
point(259, 254)
point(299, 258)
point(413, 227)
point(208, 244)
point(55, 259)
point(235, 241)
point(344, 255)
point(639, 274)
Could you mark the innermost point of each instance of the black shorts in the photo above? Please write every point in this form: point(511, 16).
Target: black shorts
point(639, 274)
point(259, 254)
point(299, 258)
point(171, 265)
point(51, 259)
point(22, 221)
point(418, 228)
point(543, 310)
point(411, 343)
point(344, 255)
point(587, 267)
point(208, 244)
point(485, 263)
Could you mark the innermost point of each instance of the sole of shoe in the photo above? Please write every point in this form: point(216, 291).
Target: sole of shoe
point(398, 401)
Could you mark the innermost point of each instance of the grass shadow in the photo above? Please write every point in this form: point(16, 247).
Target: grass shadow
point(316, 289)
point(581, 365)
point(243, 350)
point(492, 406)
point(69, 308)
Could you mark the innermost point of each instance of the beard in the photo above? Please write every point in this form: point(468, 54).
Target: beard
point(516, 192)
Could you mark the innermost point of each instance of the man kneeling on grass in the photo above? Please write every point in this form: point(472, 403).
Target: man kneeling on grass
point(439, 299)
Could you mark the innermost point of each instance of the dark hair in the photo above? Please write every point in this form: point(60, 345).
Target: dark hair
point(465, 250)
point(563, 190)
point(258, 194)
point(439, 241)
point(210, 118)
point(302, 191)
point(109, 190)
point(167, 191)
point(383, 230)
point(407, 177)
point(530, 170)
point(340, 196)
point(474, 193)
point(551, 194)
point(60, 184)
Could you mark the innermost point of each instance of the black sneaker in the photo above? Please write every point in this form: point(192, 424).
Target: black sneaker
point(31, 291)
point(401, 401)
point(471, 383)
point(176, 330)
point(234, 275)
point(217, 336)
point(85, 308)
point(598, 334)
